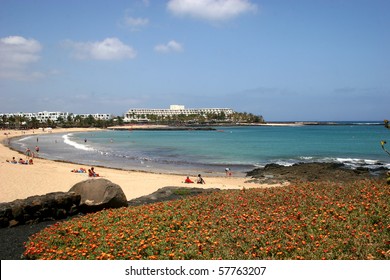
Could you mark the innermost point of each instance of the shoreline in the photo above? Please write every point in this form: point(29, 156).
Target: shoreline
point(20, 181)
point(190, 169)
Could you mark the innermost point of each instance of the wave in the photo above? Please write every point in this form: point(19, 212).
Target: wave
point(365, 163)
point(75, 144)
point(368, 123)
point(352, 163)
point(24, 138)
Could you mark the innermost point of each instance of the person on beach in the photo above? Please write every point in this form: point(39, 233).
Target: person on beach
point(188, 180)
point(21, 161)
point(80, 170)
point(200, 180)
point(13, 160)
point(92, 173)
point(28, 152)
point(228, 172)
point(37, 149)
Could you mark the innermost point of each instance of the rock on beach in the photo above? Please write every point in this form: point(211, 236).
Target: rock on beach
point(98, 194)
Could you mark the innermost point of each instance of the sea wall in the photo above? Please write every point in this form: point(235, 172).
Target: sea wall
point(35, 209)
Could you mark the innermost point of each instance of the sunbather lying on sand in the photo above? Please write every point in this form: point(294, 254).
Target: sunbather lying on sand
point(13, 160)
point(80, 170)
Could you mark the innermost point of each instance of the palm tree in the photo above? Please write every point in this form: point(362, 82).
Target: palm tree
point(34, 123)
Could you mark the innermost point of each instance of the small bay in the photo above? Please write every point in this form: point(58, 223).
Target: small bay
point(241, 148)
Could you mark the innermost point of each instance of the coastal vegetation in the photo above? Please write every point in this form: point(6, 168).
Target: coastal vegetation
point(211, 118)
point(383, 142)
point(306, 220)
point(20, 122)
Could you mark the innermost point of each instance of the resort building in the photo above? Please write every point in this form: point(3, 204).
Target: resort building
point(55, 116)
point(104, 117)
point(174, 110)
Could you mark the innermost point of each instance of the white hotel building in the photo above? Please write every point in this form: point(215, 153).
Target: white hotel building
point(174, 110)
point(54, 116)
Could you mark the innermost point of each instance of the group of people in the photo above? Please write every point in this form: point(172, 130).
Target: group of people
point(32, 154)
point(91, 171)
point(20, 161)
point(199, 180)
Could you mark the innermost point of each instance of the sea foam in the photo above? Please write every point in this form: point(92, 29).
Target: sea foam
point(76, 145)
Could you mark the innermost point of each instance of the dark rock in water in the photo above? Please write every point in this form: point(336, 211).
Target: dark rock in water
point(99, 194)
point(333, 172)
point(169, 193)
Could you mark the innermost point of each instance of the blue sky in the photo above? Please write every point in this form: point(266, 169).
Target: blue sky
point(286, 60)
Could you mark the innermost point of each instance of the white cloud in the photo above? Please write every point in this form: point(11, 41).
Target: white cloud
point(135, 24)
point(171, 46)
point(214, 10)
point(17, 53)
point(108, 49)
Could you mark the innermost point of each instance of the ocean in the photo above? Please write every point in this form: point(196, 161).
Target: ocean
point(241, 148)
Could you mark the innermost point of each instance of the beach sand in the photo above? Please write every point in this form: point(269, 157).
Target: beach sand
point(18, 181)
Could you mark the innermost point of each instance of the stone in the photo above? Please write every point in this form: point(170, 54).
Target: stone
point(310, 172)
point(99, 194)
point(170, 193)
point(33, 209)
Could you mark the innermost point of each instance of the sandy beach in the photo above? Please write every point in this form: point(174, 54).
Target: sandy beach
point(19, 181)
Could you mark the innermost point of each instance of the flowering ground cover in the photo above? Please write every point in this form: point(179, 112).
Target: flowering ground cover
point(313, 221)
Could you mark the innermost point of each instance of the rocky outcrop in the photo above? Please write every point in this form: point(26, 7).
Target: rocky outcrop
point(35, 209)
point(98, 194)
point(170, 193)
point(332, 172)
point(48, 208)
point(87, 196)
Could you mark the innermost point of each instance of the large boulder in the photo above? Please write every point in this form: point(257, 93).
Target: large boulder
point(98, 194)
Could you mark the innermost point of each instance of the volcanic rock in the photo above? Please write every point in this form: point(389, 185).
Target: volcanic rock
point(99, 194)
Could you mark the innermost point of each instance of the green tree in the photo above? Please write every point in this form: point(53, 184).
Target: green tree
point(90, 121)
point(34, 123)
point(60, 121)
point(383, 143)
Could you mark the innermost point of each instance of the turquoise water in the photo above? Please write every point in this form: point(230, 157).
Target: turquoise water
point(240, 148)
